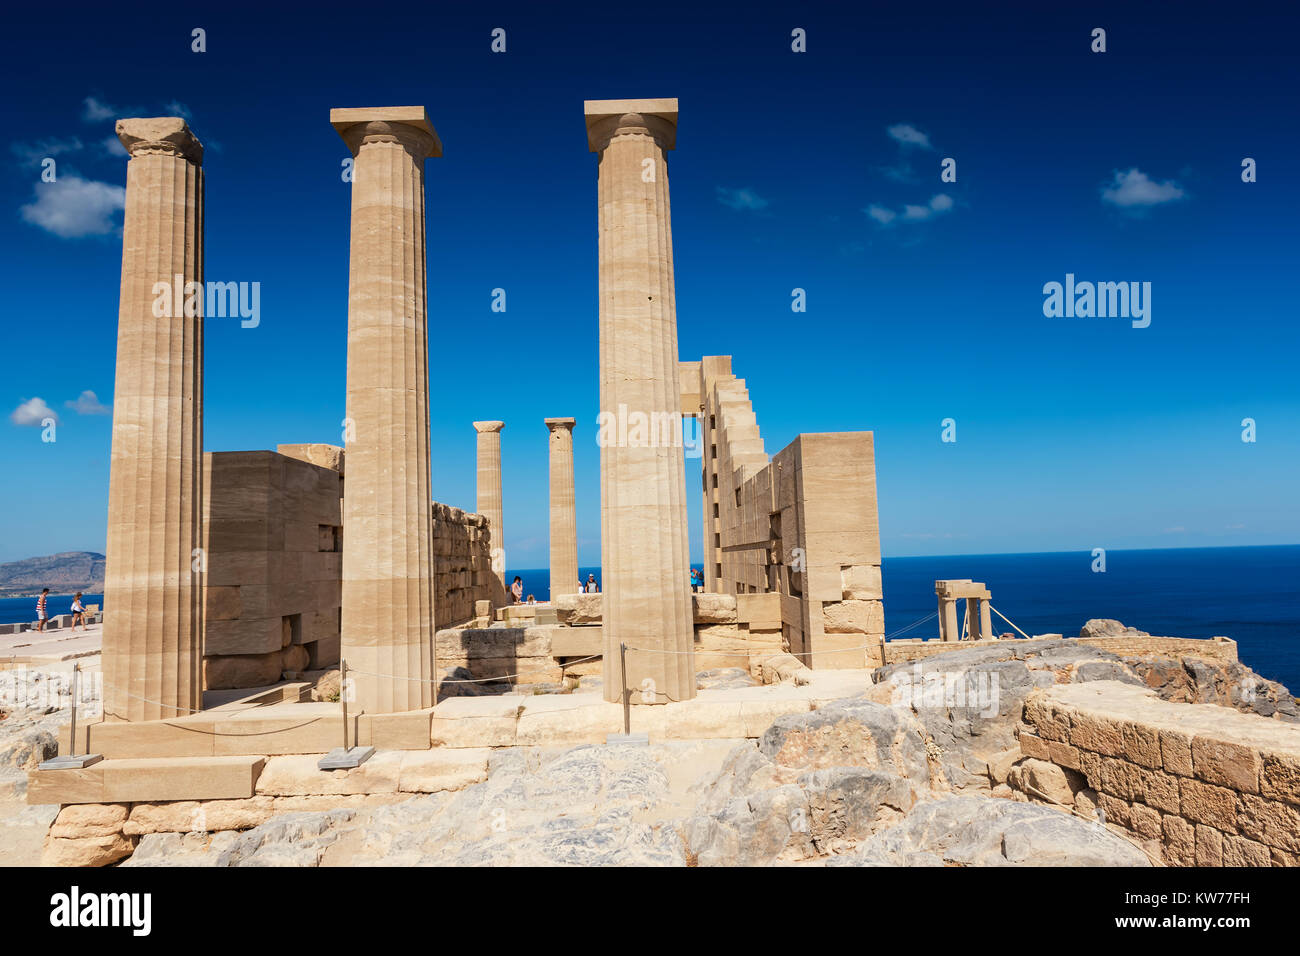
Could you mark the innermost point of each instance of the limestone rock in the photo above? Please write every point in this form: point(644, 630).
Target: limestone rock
point(1109, 627)
point(26, 751)
point(714, 608)
point(242, 670)
point(575, 609)
point(80, 820)
point(974, 831)
point(86, 851)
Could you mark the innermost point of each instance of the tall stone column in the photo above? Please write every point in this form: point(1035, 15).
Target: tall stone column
point(564, 519)
point(644, 552)
point(488, 460)
point(387, 516)
point(153, 628)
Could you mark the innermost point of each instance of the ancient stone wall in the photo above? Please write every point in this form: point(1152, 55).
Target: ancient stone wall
point(1215, 649)
point(273, 547)
point(803, 525)
point(1195, 784)
point(462, 567)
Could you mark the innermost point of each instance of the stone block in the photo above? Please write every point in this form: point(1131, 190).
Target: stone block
point(298, 775)
point(180, 778)
point(1208, 804)
point(86, 851)
point(1280, 777)
point(1271, 822)
point(1209, 846)
point(242, 670)
point(1096, 732)
point(1240, 851)
point(1064, 755)
point(89, 820)
point(1034, 746)
point(713, 608)
point(1227, 764)
point(1176, 752)
point(1179, 839)
point(433, 771)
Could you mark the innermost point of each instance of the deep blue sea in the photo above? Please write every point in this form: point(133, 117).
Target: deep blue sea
point(1251, 595)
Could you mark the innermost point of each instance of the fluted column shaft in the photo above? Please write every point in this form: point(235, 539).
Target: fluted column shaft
point(153, 629)
point(487, 454)
point(644, 550)
point(387, 598)
point(564, 519)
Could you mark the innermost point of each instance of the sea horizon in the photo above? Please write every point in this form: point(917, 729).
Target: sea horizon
point(1249, 593)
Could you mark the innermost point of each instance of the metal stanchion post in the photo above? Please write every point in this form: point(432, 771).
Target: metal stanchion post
point(627, 691)
point(345, 757)
point(72, 761)
point(626, 738)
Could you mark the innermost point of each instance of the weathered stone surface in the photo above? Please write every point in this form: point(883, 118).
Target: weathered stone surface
point(714, 608)
point(1108, 627)
point(86, 851)
point(27, 750)
point(89, 820)
point(972, 831)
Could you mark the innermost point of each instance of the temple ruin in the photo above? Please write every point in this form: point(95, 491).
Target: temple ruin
point(237, 581)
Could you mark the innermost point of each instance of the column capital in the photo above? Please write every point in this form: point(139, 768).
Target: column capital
point(407, 125)
point(554, 423)
point(482, 427)
point(609, 118)
point(169, 135)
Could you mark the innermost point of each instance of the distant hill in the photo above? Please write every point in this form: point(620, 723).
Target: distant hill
point(61, 573)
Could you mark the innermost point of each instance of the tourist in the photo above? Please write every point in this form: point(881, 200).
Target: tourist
point(531, 599)
point(517, 590)
point(592, 586)
point(41, 616)
point(78, 611)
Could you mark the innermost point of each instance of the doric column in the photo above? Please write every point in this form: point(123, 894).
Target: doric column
point(488, 460)
point(564, 519)
point(153, 628)
point(387, 517)
point(644, 552)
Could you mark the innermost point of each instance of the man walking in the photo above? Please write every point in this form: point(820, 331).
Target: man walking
point(41, 615)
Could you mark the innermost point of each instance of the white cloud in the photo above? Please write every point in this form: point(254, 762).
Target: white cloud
point(74, 207)
point(939, 203)
point(96, 110)
point(31, 154)
point(881, 214)
point(88, 403)
point(1135, 189)
point(32, 412)
point(113, 146)
point(176, 108)
point(741, 199)
point(909, 135)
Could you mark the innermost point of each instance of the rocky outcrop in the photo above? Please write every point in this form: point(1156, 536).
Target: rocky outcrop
point(969, 831)
point(1108, 627)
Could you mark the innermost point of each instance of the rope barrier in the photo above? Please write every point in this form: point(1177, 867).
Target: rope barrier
point(476, 680)
point(1009, 621)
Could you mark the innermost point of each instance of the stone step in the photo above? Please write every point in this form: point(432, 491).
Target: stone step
point(155, 779)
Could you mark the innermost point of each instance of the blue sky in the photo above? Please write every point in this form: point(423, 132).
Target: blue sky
point(818, 170)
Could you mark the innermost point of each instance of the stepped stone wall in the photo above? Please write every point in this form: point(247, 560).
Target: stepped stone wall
point(802, 525)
